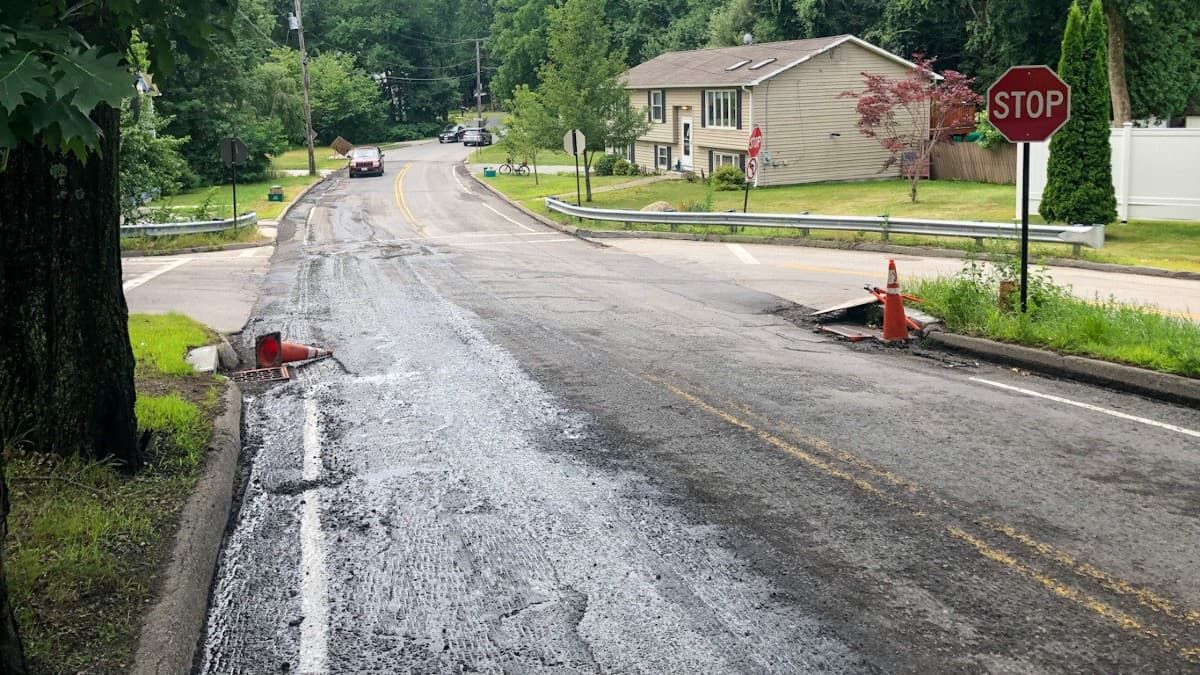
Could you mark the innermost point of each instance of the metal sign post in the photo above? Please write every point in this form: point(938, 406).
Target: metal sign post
point(574, 142)
point(233, 153)
point(1028, 104)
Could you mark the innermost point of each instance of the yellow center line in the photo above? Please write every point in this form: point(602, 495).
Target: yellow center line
point(402, 203)
point(1127, 622)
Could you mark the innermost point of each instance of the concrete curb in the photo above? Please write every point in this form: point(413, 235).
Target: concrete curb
point(235, 246)
point(1162, 386)
point(174, 626)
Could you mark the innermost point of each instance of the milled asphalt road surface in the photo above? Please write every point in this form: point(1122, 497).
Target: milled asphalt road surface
point(535, 454)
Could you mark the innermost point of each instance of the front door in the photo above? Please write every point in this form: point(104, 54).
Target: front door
point(685, 142)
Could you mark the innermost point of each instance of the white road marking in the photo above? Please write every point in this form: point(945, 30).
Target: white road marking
point(139, 280)
point(1088, 406)
point(248, 253)
point(742, 254)
point(523, 226)
point(509, 243)
point(454, 173)
point(307, 234)
point(314, 594)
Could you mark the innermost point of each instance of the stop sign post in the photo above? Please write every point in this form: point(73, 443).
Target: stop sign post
point(1028, 104)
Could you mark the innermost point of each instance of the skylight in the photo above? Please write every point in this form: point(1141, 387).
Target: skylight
point(762, 63)
point(737, 65)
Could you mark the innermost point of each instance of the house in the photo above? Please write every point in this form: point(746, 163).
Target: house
point(703, 104)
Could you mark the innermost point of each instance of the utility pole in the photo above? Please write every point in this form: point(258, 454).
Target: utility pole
point(312, 158)
point(478, 85)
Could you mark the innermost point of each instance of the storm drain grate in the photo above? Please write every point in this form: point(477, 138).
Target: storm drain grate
point(262, 375)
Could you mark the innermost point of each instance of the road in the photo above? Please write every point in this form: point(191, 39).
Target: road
point(537, 454)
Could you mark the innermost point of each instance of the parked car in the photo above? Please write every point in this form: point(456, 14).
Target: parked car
point(366, 160)
point(477, 137)
point(451, 134)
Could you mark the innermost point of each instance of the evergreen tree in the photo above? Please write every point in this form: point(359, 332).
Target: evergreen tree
point(1079, 187)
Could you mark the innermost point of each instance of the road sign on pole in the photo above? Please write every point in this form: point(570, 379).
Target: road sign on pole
point(574, 143)
point(233, 153)
point(755, 142)
point(1028, 104)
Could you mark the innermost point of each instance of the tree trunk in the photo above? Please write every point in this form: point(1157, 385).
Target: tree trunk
point(12, 655)
point(1117, 86)
point(66, 367)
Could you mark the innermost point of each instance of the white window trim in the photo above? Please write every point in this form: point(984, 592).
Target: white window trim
point(661, 115)
point(661, 157)
point(720, 105)
point(722, 158)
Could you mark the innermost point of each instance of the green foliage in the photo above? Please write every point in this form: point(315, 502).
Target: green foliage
point(345, 100)
point(604, 165)
point(728, 177)
point(1079, 186)
point(970, 303)
point(988, 136)
point(623, 167)
point(181, 420)
point(580, 84)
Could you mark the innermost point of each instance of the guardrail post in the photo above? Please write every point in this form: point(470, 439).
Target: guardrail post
point(979, 242)
point(804, 231)
point(1076, 249)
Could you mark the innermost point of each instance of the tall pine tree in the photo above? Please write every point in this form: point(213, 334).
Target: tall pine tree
point(1079, 187)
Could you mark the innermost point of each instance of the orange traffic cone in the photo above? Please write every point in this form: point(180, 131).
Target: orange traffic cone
point(294, 352)
point(895, 325)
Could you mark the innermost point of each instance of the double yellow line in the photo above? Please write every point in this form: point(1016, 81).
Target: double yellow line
point(907, 496)
point(402, 203)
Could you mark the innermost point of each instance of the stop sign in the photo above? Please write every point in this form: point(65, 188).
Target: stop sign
point(1029, 103)
point(755, 142)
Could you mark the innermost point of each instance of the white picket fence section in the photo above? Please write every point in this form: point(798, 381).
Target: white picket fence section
point(1156, 173)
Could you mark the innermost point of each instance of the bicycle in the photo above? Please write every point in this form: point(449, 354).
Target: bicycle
point(519, 169)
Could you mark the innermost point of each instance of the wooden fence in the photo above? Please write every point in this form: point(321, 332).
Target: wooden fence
point(968, 161)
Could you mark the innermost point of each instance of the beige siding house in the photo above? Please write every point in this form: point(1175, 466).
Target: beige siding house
point(703, 104)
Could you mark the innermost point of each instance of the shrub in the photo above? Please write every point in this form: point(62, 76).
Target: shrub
point(727, 178)
point(621, 167)
point(604, 165)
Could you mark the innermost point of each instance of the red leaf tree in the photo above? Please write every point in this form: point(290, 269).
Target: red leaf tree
point(911, 114)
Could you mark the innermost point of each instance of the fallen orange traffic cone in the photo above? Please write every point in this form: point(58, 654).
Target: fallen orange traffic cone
point(294, 352)
point(270, 351)
point(895, 325)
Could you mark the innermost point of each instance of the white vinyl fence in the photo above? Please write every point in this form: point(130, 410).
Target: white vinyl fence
point(1156, 173)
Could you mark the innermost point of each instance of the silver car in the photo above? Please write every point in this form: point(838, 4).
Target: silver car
point(477, 137)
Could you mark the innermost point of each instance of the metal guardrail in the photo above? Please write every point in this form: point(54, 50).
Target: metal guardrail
point(196, 227)
point(1091, 236)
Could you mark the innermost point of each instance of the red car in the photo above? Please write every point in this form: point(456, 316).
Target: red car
point(367, 160)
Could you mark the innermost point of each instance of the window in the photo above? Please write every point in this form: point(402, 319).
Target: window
point(658, 111)
point(726, 158)
point(721, 108)
point(624, 151)
point(662, 157)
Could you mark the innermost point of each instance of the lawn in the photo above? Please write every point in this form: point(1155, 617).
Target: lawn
point(297, 159)
point(526, 191)
point(969, 303)
point(251, 197)
point(1168, 245)
point(86, 542)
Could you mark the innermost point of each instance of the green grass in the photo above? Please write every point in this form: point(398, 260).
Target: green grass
point(525, 190)
point(251, 197)
point(1168, 245)
point(85, 541)
point(297, 159)
point(970, 304)
point(160, 342)
point(203, 240)
point(495, 154)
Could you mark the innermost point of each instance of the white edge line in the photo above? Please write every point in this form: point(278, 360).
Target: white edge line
point(510, 243)
point(138, 281)
point(314, 640)
point(1088, 406)
point(454, 173)
point(523, 226)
